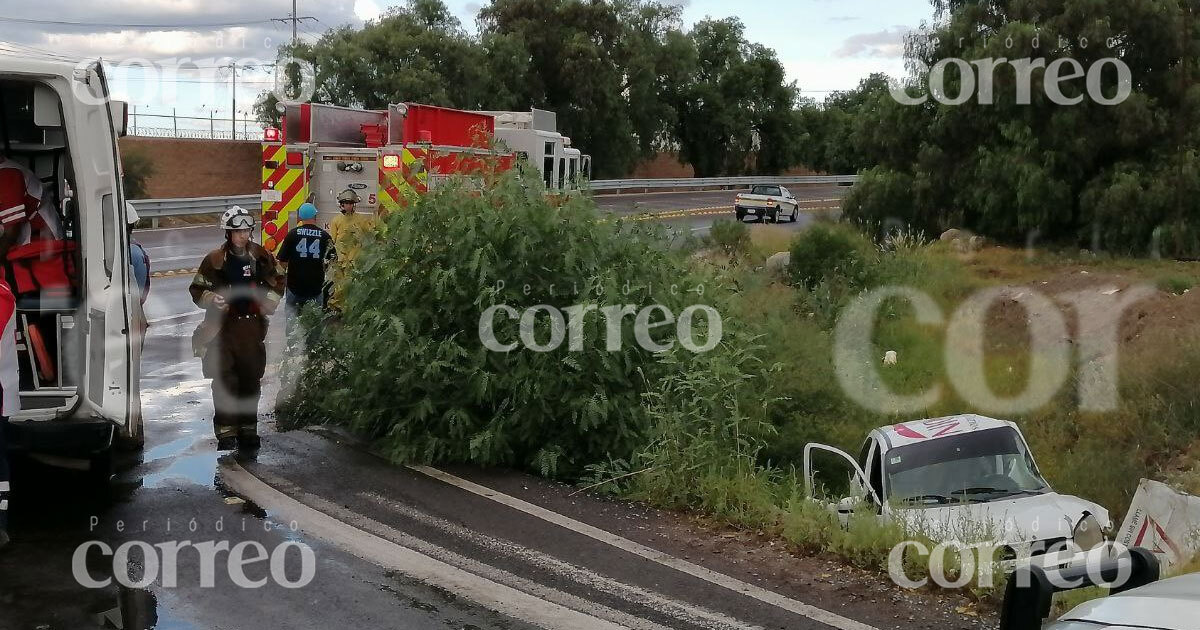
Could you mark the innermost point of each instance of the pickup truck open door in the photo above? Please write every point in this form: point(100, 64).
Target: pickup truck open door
point(860, 487)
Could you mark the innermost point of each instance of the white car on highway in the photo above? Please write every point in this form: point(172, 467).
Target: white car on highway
point(968, 480)
point(767, 201)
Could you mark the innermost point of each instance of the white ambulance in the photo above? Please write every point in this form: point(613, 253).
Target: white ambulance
point(77, 352)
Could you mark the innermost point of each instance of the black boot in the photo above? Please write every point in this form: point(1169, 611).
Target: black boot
point(227, 443)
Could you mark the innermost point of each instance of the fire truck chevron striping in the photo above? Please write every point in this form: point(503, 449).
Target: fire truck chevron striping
point(284, 190)
point(390, 156)
point(401, 175)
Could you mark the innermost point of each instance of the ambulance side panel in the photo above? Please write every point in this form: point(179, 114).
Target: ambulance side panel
point(110, 382)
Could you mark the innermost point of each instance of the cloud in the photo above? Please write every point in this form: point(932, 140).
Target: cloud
point(844, 18)
point(106, 28)
point(888, 44)
point(367, 10)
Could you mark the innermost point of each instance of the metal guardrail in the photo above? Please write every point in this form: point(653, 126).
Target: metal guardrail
point(155, 209)
point(711, 182)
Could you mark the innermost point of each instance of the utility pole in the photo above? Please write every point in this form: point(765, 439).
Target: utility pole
point(233, 68)
point(295, 18)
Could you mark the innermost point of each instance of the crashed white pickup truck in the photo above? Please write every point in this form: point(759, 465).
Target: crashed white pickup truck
point(767, 202)
point(970, 480)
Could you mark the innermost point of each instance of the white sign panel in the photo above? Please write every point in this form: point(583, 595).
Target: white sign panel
point(1164, 521)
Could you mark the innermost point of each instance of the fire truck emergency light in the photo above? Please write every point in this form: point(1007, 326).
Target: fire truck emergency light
point(271, 134)
point(391, 160)
point(295, 158)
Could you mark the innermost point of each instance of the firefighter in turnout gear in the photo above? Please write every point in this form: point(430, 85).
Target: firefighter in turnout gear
point(347, 229)
point(239, 285)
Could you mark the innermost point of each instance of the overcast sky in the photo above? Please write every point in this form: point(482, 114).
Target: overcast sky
point(824, 44)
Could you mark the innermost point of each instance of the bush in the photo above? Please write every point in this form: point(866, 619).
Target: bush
point(407, 366)
point(732, 237)
point(1176, 284)
point(830, 251)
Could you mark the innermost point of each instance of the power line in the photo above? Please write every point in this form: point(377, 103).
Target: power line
point(24, 49)
point(147, 26)
point(160, 80)
point(28, 50)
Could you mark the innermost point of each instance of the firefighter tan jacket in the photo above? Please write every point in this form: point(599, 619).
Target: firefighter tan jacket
point(347, 230)
point(269, 282)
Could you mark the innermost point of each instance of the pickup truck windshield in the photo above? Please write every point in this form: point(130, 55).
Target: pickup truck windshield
point(769, 191)
point(980, 466)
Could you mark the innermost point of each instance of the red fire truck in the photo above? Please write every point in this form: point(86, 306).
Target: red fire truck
point(390, 155)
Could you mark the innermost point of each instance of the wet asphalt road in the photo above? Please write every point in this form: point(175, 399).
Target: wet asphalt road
point(174, 492)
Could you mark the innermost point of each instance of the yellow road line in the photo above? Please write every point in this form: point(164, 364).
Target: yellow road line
point(173, 272)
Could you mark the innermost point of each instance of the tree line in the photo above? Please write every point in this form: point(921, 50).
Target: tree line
point(626, 78)
point(1045, 160)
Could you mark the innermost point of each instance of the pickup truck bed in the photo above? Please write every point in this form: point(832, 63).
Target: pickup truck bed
point(766, 202)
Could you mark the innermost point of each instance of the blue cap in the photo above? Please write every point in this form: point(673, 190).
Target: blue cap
point(307, 212)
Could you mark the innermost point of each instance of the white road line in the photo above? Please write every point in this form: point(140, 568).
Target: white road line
point(324, 524)
point(178, 227)
point(638, 549)
point(675, 609)
point(186, 315)
point(174, 248)
point(155, 261)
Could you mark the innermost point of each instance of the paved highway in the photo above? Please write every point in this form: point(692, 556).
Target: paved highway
point(392, 547)
point(174, 249)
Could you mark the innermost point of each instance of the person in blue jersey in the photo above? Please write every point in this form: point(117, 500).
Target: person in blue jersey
point(305, 255)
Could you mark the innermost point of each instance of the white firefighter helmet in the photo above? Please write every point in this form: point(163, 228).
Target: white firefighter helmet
point(237, 218)
point(348, 195)
point(131, 214)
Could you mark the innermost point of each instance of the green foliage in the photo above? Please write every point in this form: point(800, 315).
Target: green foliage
point(407, 366)
point(825, 251)
point(832, 136)
point(707, 431)
point(734, 93)
point(136, 169)
point(1176, 284)
point(1121, 178)
point(623, 76)
point(732, 237)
